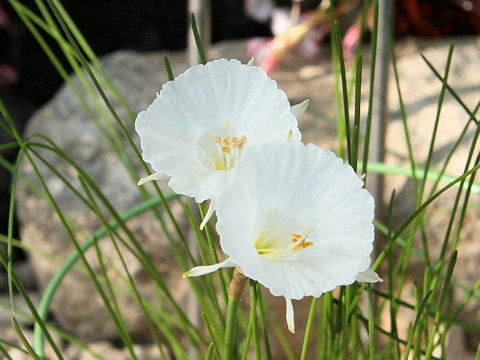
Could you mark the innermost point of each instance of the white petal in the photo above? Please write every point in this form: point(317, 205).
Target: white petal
point(159, 176)
point(299, 109)
point(208, 215)
point(311, 187)
point(368, 276)
point(290, 316)
point(294, 135)
point(203, 270)
point(198, 103)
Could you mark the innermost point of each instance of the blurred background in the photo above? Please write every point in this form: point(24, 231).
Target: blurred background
point(147, 25)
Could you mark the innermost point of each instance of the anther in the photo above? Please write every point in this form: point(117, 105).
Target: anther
point(226, 140)
point(303, 243)
point(215, 138)
point(239, 143)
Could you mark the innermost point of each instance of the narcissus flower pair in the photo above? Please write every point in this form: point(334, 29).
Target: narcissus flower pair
point(293, 217)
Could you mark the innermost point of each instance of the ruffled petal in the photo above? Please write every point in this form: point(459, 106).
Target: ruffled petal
point(208, 102)
point(290, 315)
point(207, 269)
point(368, 276)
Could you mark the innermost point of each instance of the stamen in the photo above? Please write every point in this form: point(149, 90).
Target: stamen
point(215, 138)
point(302, 245)
point(239, 143)
point(228, 142)
point(272, 246)
point(229, 149)
point(296, 236)
point(300, 241)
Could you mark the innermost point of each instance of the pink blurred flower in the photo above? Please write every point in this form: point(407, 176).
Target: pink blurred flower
point(5, 21)
point(350, 41)
point(301, 32)
point(8, 75)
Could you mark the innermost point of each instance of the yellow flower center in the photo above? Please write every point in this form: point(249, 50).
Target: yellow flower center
point(221, 152)
point(274, 242)
point(229, 142)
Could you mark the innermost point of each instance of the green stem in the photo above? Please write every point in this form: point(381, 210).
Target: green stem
point(371, 324)
point(23, 339)
point(308, 329)
point(235, 292)
point(253, 319)
point(263, 323)
point(230, 329)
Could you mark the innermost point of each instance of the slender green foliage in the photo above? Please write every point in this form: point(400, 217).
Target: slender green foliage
point(308, 329)
point(198, 40)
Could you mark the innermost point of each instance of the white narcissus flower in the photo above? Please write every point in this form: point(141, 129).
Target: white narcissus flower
point(201, 123)
point(297, 220)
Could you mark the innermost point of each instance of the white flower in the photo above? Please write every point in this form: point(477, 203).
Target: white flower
point(297, 220)
point(201, 123)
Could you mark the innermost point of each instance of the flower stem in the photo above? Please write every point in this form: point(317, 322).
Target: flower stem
point(253, 318)
point(235, 293)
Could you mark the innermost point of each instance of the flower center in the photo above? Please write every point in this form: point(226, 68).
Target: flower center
point(299, 241)
point(273, 240)
point(221, 152)
point(229, 142)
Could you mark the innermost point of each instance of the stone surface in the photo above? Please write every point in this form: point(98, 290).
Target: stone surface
point(139, 76)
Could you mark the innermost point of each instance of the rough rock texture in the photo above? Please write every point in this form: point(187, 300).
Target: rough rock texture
point(139, 76)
